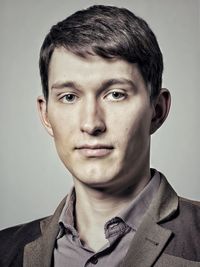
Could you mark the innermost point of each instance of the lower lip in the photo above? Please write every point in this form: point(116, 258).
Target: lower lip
point(94, 153)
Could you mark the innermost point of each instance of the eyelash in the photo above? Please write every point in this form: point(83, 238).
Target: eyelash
point(121, 96)
point(63, 98)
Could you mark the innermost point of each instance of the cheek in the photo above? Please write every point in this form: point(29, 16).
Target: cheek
point(63, 128)
point(132, 128)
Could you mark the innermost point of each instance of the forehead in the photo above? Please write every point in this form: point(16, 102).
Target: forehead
point(93, 69)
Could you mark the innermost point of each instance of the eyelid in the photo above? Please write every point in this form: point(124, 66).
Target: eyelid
point(118, 90)
point(66, 93)
point(61, 97)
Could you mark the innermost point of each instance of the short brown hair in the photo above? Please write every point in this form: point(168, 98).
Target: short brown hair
point(109, 32)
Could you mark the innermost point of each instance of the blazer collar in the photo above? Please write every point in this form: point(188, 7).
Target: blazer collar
point(150, 237)
point(39, 252)
point(146, 245)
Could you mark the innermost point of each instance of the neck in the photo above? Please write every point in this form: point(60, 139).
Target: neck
point(94, 207)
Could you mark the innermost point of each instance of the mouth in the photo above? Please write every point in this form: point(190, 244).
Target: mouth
point(94, 151)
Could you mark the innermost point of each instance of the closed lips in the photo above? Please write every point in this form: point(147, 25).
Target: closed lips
point(95, 150)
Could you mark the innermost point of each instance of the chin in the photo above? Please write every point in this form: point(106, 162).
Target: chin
point(96, 181)
point(94, 173)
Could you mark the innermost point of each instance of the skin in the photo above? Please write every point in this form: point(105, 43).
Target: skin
point(101, 118)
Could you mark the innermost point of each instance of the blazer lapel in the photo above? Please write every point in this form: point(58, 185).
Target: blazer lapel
point(150, 237)
point(39, 252)
point(147, 244)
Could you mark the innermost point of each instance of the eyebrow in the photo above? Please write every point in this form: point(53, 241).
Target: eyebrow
point(105, 84)
point(61, 85)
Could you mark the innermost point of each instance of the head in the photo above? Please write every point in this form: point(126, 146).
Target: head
point(109, 32)
point(102, 95)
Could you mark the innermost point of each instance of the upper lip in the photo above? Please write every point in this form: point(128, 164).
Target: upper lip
point(96, 146)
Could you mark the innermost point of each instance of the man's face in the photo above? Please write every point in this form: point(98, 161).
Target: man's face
point(99, 114)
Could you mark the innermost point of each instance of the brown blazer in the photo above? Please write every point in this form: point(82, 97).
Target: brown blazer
point(169, 236)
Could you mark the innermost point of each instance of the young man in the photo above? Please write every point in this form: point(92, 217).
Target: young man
point(101, 72)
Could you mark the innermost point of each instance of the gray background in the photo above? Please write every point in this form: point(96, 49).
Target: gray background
point(33, 180)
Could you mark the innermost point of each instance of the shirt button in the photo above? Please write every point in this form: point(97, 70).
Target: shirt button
point(94, 260)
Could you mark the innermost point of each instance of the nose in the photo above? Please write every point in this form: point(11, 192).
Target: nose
point(92, 118)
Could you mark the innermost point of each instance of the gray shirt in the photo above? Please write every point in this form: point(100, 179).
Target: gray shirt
point(119, 231)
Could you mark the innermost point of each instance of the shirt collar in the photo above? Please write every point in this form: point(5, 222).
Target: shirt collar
point(133, 214)
point(66, 220)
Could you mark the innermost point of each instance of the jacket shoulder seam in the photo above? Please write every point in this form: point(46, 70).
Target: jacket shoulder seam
point(192, 202)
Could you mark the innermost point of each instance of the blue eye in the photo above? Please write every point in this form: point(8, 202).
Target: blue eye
point(115, 96)
point(68, 98)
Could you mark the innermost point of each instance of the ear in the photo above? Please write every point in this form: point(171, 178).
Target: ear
point(42, 109)
point(161, 107)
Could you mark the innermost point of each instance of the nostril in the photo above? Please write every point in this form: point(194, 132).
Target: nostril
point(97, 131)
point(94, 129)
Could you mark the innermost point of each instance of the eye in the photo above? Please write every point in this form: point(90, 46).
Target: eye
point(115, 96)
point(68, 98)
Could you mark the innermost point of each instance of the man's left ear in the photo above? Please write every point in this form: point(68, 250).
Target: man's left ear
point(161, 107)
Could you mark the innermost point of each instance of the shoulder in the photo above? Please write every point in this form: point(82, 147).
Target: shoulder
point(189, 203)
point(186, 217)
point(13, 240)
point(186, 231)
point(22, 231)
point(189, 212)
